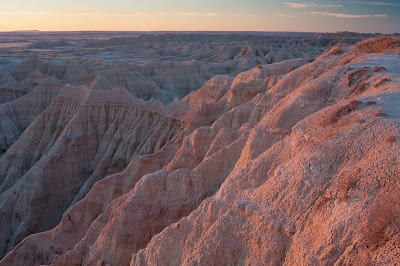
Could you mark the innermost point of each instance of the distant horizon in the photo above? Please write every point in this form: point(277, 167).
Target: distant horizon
point(198, 31)
point(364, 16)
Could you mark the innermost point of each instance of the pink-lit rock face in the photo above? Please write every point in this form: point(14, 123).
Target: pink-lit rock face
point(292, 163)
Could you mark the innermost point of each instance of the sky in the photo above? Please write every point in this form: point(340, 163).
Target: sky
point(202, 15)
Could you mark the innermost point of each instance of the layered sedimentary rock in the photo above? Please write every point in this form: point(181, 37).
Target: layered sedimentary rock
point(17, 115)
point(162, 82)
point(65, 54)
point(227, 53)
point(34, 63)
point(81, 137)
point(13, 89)
point(5, 76)
point(290, 163)
point(321, 195)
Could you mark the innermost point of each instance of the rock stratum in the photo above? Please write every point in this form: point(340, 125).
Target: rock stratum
point(220, 53)
point(293, 163)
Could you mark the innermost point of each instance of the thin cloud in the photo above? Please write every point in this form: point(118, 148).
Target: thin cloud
point(212, 15)
point(20, 13)
point(196, 14)
point(308, 4)
point(289, 15)
point(340, 15)
point(95, 13)
point(131, 13)
point(377, 3)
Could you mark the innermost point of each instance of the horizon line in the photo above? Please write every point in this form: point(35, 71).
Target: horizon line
point(150, 31)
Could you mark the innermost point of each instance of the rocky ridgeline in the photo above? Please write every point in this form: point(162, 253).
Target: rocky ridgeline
point(291, 163)
point(227, 53)
point(161, 81)
point(220, 53)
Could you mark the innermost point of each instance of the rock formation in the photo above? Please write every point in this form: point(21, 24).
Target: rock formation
point(17, 115)
point(5, 76)
point(162, 82)
point(66, 54)
point(290, 163)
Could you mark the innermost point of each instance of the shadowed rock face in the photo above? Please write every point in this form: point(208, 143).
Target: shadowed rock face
point(5, 76)
point(81, 137)
point(161, 81)
point(17, 115)
point(290, 163)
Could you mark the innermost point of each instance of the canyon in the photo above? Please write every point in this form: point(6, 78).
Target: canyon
point(202, 149)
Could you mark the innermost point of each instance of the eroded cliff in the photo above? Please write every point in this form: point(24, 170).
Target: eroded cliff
point(290, 163)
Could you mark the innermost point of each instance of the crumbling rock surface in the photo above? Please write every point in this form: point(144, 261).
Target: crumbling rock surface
point(17, 115)
point(81, 137)
point(291, 163)
point(5, 76)
point(227, 53)
point(162, 82)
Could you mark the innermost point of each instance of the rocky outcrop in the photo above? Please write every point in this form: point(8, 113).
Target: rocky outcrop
point(291, 163)
point(34, 63)
point(13, 90)
point(226, 53)
point(262, 72)
point(311, 197)
point(82, 136)
point(17, 115)
point(162, 82)
point(5, 76)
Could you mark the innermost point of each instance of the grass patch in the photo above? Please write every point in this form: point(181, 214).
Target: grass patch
point(379, 44)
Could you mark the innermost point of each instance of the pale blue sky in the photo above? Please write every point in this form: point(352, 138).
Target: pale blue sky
point(267, 15)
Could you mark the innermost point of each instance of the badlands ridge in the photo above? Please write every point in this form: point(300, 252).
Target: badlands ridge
point(294, 162)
